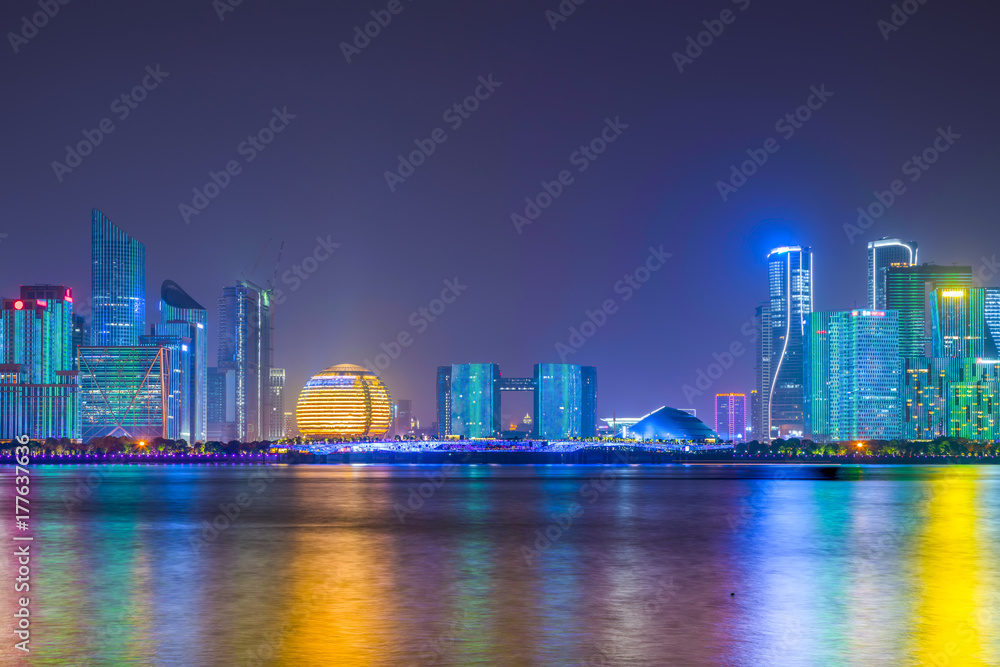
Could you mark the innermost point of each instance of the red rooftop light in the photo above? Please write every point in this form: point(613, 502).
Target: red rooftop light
point(18, 305)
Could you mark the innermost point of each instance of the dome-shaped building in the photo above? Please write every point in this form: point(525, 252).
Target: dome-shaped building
point(344, 401)
point(672, 424)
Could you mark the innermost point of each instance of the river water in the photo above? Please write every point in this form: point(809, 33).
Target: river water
point(508, 565)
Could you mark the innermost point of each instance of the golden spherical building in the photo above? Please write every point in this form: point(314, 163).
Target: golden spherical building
point(344, 401)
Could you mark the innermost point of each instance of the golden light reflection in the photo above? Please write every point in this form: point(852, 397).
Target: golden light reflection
point(948, 613)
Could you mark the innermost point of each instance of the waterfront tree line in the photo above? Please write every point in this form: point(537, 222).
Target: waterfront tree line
point(898, 448)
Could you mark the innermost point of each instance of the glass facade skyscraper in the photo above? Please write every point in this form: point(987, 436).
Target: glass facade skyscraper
point(906, 291)
point(820, 363)
point(958, 324)
point(854, 376)
point(558, 401)
point(444, 400)
point(245, 354)
point(186, 317)
point(762, 373)
point(118, 285)
point(475, 400)
point(276, 404)
point(125, 391)
point(39, 394)
point(882, 254)
point(588, 411)
point(731, 417)
point(790, 280)
point(924, 395)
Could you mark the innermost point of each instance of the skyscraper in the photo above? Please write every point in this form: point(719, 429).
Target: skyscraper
point(558, 401)
point(404, 412)
point(118, 285)
point(731, 417)
point(762, 373)
point(245, 354)
point(588, 411)
point(906, 292)
point(958, 324)
point(475, 400)
point(176, 307)
point(790, 280)
point(39, 394)
point(974, 402)
point(125, 392)
point(924, 396)
point(276, 404)
point(882, 254)
point(221, 425)
point(860, 384)
point(444, 400)
point(820, 363)
point(179, 370)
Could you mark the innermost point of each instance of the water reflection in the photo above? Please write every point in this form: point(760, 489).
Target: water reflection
point(582, 565)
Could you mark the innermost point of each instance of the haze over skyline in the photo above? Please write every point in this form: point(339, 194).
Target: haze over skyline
point(322, 182)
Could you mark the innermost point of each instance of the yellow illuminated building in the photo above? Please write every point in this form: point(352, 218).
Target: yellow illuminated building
point(344, 401)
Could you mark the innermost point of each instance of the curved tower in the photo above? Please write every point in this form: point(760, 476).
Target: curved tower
point(789, 271)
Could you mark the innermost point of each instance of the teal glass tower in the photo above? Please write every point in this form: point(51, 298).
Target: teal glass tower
point(118, 285)
point(558, 401)
point(181, 315)
point(475, 400)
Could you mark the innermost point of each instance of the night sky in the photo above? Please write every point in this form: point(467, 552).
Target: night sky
point(551, 93)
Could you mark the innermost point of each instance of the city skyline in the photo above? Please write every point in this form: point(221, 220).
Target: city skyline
point(319, 187)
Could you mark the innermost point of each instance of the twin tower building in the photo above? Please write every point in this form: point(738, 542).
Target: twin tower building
point(920, 362)
point(64, 377)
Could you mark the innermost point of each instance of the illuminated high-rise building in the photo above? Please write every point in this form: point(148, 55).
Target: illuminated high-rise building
point(820, 363)
point(177, 309)
point(558, 401)
point(125, 392)
point(276, 404)
point(404, 413)
point(906, 292)
point(245, 354)
point(974, 401)
point(39, 394)
point(882, 254)
point(178, 370)
point(588, 410)
point(221, 424)
point(791, 289)
point(924, 395)
point(959, 325)
point(444, 400)
point(118, 285)
point(475, 400)
point(861, 350)
point(731, 417)
point(762, 372)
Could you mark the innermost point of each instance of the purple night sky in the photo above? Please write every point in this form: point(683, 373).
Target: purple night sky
point(608, 67)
